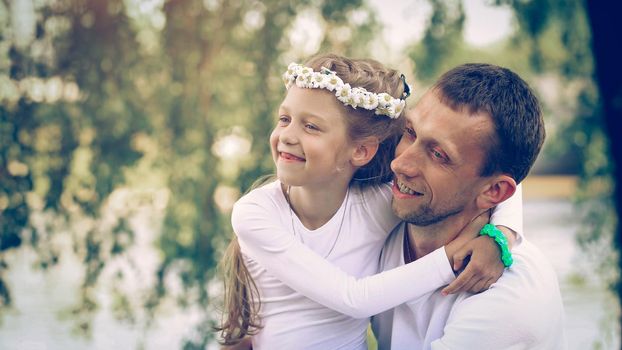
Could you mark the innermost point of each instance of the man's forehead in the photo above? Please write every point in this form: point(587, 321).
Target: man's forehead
point(433, 105)
point(427, 102)
point(455, 130)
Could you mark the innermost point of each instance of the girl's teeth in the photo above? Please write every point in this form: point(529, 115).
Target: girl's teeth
point(291, 156)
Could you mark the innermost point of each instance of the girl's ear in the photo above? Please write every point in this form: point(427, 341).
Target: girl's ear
point(498, 189)
point(364, 151)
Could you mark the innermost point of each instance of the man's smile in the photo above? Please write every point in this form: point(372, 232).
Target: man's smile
point(402, 188)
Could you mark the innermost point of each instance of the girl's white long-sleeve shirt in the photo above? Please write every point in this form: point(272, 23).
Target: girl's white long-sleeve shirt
point(313, 299)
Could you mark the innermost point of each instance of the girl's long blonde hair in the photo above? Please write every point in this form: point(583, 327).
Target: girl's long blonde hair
point(242, 301)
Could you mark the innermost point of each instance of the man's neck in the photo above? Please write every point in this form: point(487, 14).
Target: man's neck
point(425, 239)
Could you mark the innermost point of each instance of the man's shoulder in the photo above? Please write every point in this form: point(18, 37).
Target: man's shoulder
point(524, 305)
point(532, 271)
point(531, 281)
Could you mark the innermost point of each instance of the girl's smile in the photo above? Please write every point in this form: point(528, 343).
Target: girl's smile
point(288, 157)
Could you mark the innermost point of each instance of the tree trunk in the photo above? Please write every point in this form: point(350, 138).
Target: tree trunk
point(606, 28)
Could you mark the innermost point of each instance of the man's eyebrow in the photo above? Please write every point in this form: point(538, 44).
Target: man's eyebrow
point(448, 148)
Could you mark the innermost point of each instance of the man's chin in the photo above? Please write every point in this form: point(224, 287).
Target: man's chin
point(423, 216)
point(404, 214)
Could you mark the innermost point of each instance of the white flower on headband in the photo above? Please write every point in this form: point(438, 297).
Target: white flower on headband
point(342, 91)
point(381, 104)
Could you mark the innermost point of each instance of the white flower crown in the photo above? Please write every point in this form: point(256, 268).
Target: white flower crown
point(382, 103)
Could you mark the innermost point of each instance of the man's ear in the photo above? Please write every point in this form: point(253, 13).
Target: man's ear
point(498, 189)
point(365, 150)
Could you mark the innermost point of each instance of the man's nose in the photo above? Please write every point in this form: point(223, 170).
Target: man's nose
point(408, 162)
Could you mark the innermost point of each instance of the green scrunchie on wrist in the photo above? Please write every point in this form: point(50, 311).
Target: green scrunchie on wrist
point(502, 242)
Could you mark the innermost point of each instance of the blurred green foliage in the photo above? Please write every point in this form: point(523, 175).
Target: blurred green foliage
point(110, 109)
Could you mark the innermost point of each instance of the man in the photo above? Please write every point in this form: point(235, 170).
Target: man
point(467, 144)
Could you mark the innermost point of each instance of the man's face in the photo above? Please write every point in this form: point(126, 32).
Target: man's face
point(437, 162)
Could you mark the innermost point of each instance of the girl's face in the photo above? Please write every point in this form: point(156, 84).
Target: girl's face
point(309, 144)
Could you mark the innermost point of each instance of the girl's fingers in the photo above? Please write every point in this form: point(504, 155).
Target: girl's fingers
point(457, 284)
point(489, 284)
point(468, 283)
point(460, 257)
point(469, 286)
point(480, 286)
point(472, 274)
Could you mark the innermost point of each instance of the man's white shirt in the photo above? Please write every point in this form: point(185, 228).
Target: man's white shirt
point(522, 310)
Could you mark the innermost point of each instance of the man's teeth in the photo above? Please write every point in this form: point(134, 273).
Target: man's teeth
point(405, 189)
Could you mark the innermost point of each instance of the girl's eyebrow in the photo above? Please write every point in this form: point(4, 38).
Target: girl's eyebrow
point(303, 113)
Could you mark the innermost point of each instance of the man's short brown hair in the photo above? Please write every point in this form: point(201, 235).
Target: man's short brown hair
point(514, 108)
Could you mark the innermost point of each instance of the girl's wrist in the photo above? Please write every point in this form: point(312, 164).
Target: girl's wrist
point(502, 242)
point(509, 234)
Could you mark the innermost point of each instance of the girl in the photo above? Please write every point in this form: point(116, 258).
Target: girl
point(309, 242)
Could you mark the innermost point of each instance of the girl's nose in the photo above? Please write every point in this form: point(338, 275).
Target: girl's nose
point(288, 135)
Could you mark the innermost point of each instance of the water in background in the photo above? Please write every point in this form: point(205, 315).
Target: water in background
point(591, 310)
point(40, 298)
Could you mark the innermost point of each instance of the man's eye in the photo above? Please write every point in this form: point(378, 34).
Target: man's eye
point(283, 119)
point(438, 155)
point(311, 127)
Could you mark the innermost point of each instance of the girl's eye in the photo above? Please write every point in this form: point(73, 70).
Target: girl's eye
point(410, 132)
point(283, 119)
point(312, 127)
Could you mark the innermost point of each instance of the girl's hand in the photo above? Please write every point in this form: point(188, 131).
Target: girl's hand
point(482, 270)
point(481, 255)
point(483, 260)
